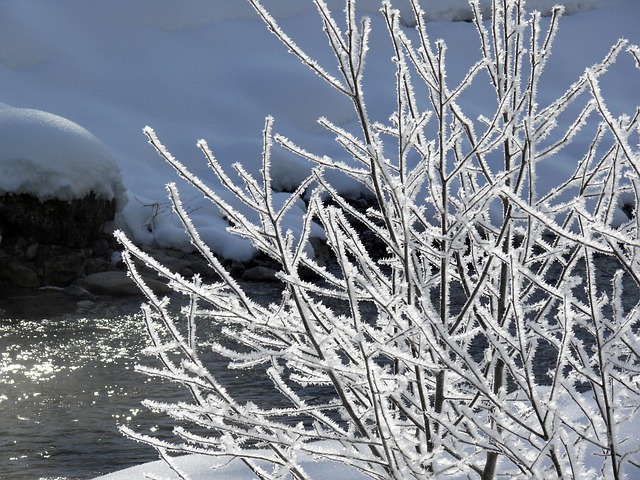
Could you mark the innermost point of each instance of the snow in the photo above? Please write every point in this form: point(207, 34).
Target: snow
point(202, 467)
point(211, 70)
point(47, 156)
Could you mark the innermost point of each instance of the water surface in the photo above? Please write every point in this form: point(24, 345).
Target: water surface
point(67, 382)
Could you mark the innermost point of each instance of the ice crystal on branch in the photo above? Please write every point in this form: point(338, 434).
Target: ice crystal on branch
point(483, 337)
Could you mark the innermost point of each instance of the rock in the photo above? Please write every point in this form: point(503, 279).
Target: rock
point(31, 251)
point(202, 268)
point(84, 304)
point(118, 284)
point(172, 259)
point(57, 241)
point(96, 265)
point(76, 291)
point(16, 273)
point(61, 270)
point(629, 210)
point(321, 251)
point(186, 272)
point(73, 223)
point(100, 247)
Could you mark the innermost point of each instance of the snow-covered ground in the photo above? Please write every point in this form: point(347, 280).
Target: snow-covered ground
point(201, 467)
point(209, 69)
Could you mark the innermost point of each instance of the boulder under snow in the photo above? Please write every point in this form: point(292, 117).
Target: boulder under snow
point(59, 188)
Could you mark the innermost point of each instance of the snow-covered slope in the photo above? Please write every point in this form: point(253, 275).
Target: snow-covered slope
point(209, 69)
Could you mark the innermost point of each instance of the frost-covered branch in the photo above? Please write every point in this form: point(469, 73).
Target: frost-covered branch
point(491, 328)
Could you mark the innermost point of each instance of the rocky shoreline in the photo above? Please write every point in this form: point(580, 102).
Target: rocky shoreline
point(63, 246)
point(98, 269)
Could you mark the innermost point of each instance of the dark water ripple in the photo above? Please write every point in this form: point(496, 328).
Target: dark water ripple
point(67, 382)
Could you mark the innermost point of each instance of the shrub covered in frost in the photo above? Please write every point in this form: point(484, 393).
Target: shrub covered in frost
point(486, 339)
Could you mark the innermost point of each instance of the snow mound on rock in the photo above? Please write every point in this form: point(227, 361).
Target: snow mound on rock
point(48, 156)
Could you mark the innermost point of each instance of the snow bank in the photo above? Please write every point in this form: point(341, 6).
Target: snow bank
point(210, 69)
point(48, 156)
point(201, 467)
point(148, 222)
point(171, 16)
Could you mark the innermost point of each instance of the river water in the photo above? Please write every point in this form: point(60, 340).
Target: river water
point(67, 381)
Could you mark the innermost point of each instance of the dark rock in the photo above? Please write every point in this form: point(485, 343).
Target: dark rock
point(321, 251)
point(118, 284)
point(100, 247)
point(31, 251)
point(186, 272)
point(96, 264)
point(234, 267)
point(202, 268)
point(63, 269)
point(72, 223)
point(629, 210)
point(53, 242)
point(171, 259)
point(76, 291)
point(16, 273)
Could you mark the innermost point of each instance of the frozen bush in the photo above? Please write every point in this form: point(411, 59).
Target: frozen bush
point(483, 339)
